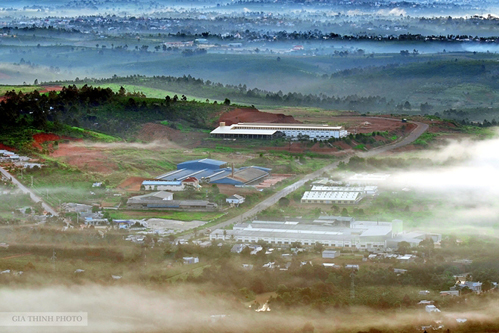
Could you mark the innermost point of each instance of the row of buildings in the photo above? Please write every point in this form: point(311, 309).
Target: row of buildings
point(332, 231)
point(18, 161)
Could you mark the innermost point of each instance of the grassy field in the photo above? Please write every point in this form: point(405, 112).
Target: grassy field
point(24, 89)
point(10, 202)
point(150, 92)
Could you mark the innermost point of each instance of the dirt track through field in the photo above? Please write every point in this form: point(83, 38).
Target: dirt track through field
point(17, 256)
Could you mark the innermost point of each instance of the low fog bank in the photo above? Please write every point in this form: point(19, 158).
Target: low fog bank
point(467, 181)
point(186, 309)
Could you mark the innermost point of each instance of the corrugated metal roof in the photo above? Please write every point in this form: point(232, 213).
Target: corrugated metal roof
point(249, 174)
point(348, 196)
point(162, 182)
point(201, 164)
point(229, 130)
point(289, 126)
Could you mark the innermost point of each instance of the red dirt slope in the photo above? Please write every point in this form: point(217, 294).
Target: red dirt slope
point(132, 184)
point(248, 115)
point(4, 147)
point(44, 137)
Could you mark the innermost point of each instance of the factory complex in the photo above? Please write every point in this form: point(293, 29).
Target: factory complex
point(206, 171)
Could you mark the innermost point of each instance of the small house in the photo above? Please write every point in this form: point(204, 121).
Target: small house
point(449, 293)
point(235, 200)
point(190, 260)
point(353, 267)
point(432, 309)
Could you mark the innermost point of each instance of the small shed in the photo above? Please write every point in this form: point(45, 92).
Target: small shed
point(432, 309)
point(354, 267)
point(330, 254)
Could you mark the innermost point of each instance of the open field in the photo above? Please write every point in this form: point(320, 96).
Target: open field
point(150, 92)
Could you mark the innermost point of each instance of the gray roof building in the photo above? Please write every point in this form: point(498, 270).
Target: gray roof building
point(330, 232)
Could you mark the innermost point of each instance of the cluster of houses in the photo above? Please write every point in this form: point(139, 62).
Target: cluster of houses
point(18, 161)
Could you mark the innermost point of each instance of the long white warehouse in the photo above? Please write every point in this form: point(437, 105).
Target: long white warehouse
point(271, 131)
point(343, 198)
point(328, 230)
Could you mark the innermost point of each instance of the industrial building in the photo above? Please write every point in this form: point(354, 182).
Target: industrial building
point(215, 172)
point(342, 198)
point(413, 238)
point(272, 131)
point(170, 185)
point(332, 231)
point(160, 185)
point(366, 190)
point(164, 200)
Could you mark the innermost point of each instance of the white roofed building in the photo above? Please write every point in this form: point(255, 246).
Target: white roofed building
point(343, 198)
point(271, 131)
point(331, 231)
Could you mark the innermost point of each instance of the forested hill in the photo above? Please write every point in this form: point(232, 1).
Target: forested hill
point(463, 84)
point(98, 109)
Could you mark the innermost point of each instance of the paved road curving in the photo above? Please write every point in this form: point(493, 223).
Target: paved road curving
point(25, 190)
point(415, 133)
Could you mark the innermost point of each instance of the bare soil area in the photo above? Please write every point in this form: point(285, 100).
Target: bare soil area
point(4, 147)
point(249, 115)
point(169, 137)
point(132, 184)
point(360, 124)
point(84, 158)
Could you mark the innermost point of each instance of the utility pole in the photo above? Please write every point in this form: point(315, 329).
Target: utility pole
point(53, 259)
point(352, 287)
point(31, 181)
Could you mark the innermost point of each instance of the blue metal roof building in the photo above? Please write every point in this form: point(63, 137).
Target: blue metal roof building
point(205, 163)
point(216, 172)
point(162, 182)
